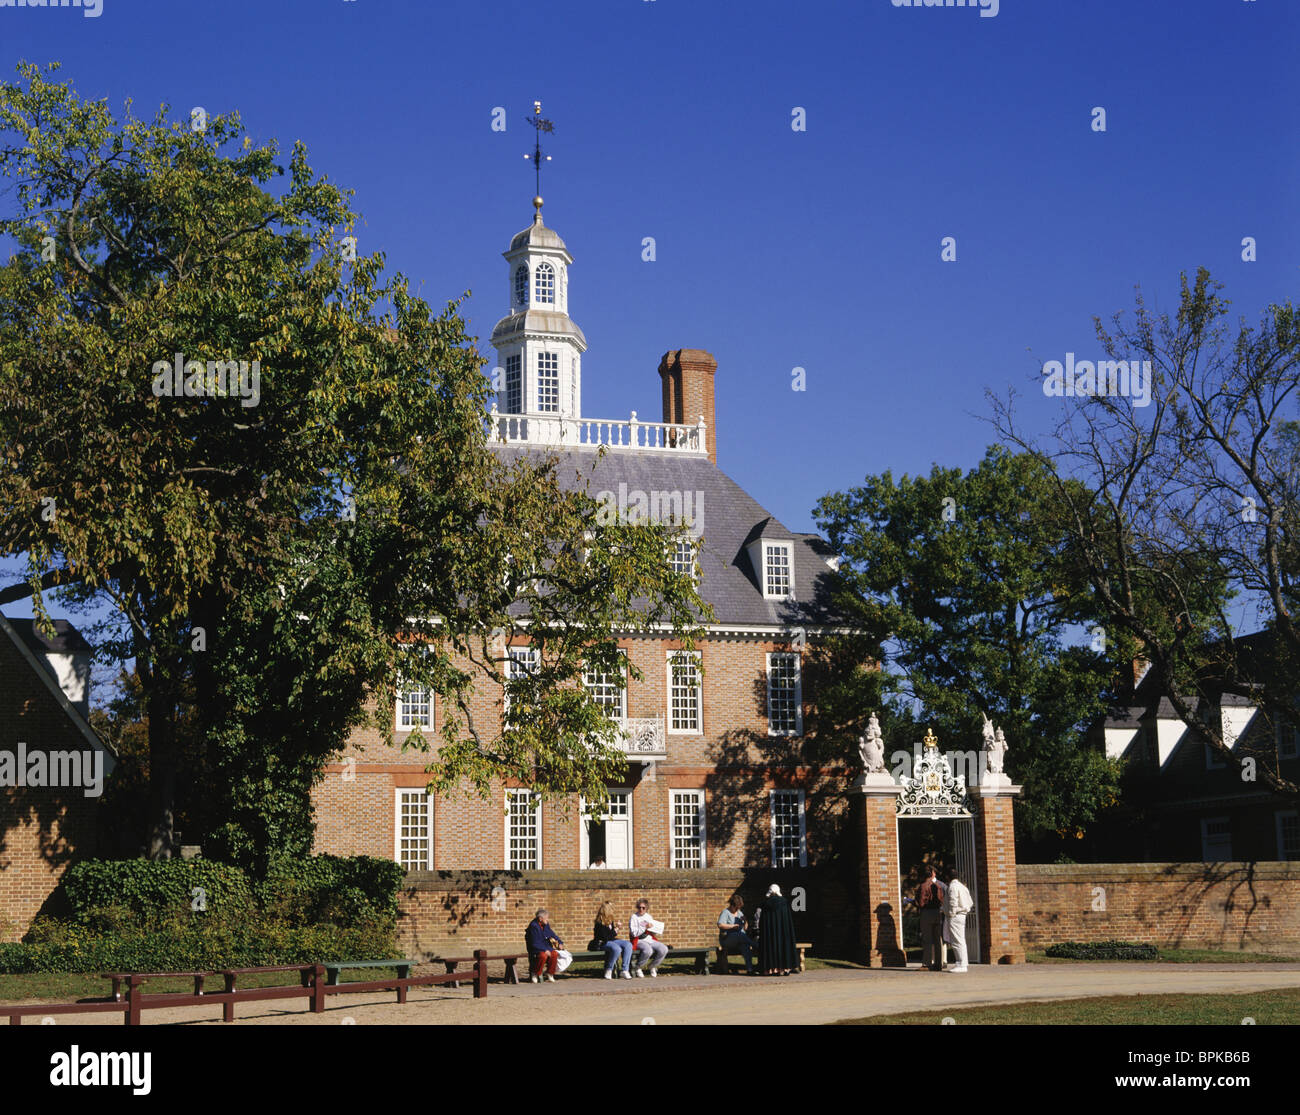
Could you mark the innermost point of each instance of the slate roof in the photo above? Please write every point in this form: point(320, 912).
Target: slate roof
point(67, 639)
point(727, 517)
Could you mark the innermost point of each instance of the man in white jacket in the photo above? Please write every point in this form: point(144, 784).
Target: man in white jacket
point(957, 904)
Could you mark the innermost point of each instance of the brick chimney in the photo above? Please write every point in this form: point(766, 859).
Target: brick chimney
point(687, 375)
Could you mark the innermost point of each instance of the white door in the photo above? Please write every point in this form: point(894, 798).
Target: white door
point(610, 836)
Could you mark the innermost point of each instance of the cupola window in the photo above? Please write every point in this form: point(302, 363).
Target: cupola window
point(544, 287)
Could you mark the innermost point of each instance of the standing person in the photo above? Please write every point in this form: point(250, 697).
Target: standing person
point(544, 946)
point(649, 949)
point(929, 900)
point(777, 955)
point(957, 904)
point(605, 936)
point(731, 932)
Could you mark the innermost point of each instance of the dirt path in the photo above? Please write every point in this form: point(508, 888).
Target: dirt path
point(811, 998)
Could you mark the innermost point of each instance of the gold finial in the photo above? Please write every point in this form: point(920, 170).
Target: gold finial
point(931, 740)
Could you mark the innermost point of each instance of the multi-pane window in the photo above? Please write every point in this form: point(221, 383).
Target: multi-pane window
point(521, 285)
point(544, 286)
point(784, 695)
point(414, 708)
point(606, 692)
point(788, 842)
point(548, 381)
point(777, 577)
point(1288, 835)
point(523, 831)
point(1216, 839)
point(688, 828)
point(682, 558)
point(1288, 741)
point(521, 663)
point(514, 386)
point(684, 696)
point(414, 836)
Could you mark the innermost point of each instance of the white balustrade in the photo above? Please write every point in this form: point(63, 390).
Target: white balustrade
point(551, 429)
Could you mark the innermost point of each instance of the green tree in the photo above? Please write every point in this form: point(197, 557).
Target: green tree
point(278, 545)
point(969, 576)
point(1192, 501)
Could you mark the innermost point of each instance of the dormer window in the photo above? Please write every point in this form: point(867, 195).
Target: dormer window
point(521, 285)
point(544, 284)
point(778, 570)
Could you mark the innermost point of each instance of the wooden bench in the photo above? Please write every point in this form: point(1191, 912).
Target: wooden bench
point(801, 946)
point(334, 967)
point(450, 963)
point(701, 957)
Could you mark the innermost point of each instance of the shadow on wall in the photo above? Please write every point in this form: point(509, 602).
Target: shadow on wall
point(1198, 893)
point(746, 765)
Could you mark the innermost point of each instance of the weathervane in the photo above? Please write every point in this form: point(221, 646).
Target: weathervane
point(541, 125)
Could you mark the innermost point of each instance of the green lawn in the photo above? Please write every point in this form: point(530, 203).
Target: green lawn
point(1267, 1008)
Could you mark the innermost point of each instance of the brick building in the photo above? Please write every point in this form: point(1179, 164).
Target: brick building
point(1182, 802)
point(52, 766)
point(715, 775)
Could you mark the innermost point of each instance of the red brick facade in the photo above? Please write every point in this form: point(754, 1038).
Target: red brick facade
point(995, 856)
point(732, 760)
point(41, 829)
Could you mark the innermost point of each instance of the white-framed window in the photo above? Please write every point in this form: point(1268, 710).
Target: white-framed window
point(514, 385)
point(1213, 760)
point(523, 830)
point(789, 841)
point(414, 708)
point(606, 691)
point(413, 830)
point(1288, 740)
point(544, 284)
point(687, 823)
point(521, 285)
point(778, 570)
point(1288, 834)
point(548, 381)
point(521, 662)
point(784, 694)
point(685, 694)
point(1216, 839)
point(682, 558)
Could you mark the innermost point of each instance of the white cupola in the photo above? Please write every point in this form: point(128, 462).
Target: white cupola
point(539, 348)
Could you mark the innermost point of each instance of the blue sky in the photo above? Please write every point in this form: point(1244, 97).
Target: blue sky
point(775, 248)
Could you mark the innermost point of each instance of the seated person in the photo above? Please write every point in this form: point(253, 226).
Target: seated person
point(731, 932)
point(544, 946)
point(605, 936)
point(649, 949)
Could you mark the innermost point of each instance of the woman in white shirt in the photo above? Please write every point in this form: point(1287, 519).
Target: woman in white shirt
point(649, 949)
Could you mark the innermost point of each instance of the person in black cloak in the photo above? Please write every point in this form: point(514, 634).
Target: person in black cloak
point(777, 955)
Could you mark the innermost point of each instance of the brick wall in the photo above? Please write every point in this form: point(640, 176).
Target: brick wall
point(1250, 906)
point(41, 829)
point(453, 912)
point(732, 759)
